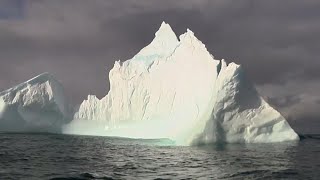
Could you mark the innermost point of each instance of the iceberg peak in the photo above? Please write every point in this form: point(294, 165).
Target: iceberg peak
point(165, 32)
point(188, 38)
point(187, 35)
point(41, 78)
point(163, 44)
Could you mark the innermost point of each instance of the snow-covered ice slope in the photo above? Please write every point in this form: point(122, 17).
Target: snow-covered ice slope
point(37, 105)
point(176, 89)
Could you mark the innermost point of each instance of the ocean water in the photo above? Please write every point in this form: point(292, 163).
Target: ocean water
point(49, 156)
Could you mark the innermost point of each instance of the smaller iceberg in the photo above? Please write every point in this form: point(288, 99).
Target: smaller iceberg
point(37, 105)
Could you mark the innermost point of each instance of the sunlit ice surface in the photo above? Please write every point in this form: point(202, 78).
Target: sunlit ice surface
point(154, 129)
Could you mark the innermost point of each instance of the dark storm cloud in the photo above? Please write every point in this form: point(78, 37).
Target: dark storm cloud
point(78, 41)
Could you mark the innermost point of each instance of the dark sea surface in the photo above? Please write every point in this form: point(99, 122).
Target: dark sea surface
point(49, 156)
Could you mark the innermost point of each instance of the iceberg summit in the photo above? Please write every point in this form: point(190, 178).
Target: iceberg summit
point(173, 88)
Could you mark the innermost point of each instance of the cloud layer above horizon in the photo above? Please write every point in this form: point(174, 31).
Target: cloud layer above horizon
point(79, 40)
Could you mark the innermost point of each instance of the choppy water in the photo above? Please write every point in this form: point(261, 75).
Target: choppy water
point(47, 156)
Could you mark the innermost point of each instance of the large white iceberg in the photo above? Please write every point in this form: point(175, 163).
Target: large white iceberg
point(176, 89)
point(37, 105)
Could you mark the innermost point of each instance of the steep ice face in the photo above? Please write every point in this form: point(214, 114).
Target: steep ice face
point(239, 114)
point(176, 89)
point(37, 105)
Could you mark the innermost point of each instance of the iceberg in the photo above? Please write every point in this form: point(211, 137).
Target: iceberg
point(174, 88)
point(37, 105)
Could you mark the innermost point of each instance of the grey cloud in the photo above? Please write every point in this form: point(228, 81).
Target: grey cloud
point(285, 101)
point(79, 40)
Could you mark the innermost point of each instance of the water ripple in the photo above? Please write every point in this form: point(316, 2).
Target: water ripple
point(30, 156)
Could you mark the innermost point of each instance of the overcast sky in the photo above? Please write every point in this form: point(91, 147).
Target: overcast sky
point(277, 42)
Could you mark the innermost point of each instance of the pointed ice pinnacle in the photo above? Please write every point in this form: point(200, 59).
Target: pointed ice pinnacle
point(162, 45)
point(165, 32)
